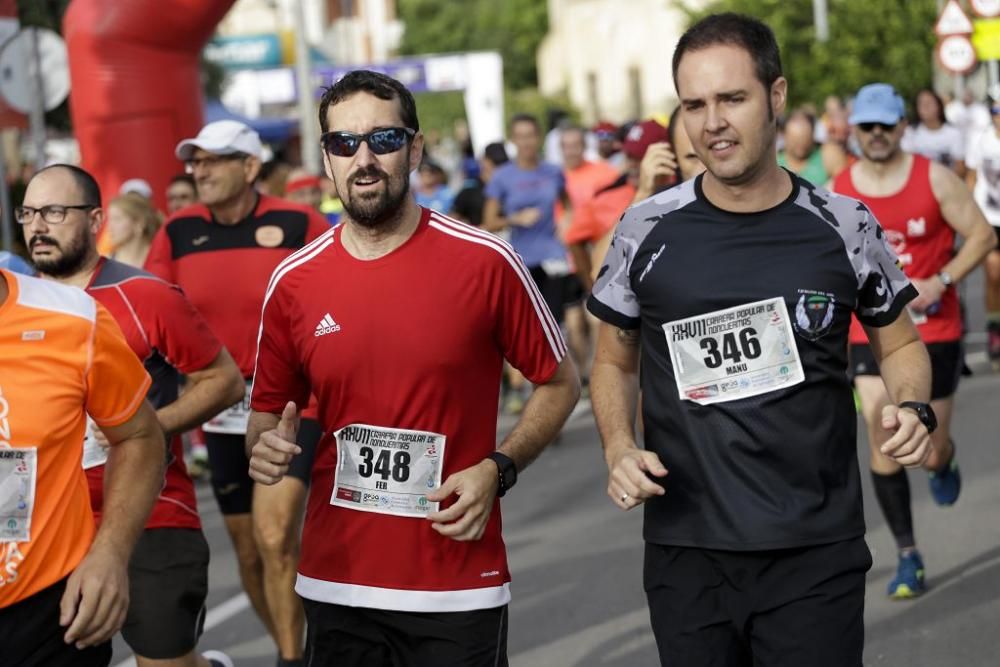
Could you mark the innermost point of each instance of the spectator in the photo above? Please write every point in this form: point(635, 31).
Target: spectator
point(932, 136)
point(432, 189)
point(304, 188)
point(181, 192)
point(801, 154)
point(468, 204)
point(132, 223)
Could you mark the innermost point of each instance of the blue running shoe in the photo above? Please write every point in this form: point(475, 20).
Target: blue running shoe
point(909, 580)
point(946, 483)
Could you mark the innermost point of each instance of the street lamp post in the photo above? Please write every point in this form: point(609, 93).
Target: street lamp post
point(820, 21)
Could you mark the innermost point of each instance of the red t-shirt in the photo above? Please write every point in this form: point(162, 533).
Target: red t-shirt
point(224, 269)
point(413, 340)
point(922, 240)
point(170, 337)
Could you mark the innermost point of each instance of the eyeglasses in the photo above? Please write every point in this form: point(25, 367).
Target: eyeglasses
point(381, 141)
point(211, 161)
point(53, 214)
point(885, 127)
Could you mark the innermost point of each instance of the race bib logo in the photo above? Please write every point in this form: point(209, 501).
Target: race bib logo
point(814, 314)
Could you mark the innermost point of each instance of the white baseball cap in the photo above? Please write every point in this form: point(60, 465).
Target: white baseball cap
point(138, 186)
point(223, 137)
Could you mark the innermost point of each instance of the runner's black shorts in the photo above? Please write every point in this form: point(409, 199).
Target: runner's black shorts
point(573, 291)
point(361, 637)
point(553, 289)
point(230, 466)
point(30, 635)
point(946, 366)
point(168, 584)
point(780, 608)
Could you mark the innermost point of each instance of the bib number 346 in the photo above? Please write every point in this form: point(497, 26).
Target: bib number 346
point(733, 349)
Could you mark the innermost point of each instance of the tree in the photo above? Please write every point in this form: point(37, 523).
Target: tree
point(870, 40)
point(515, 28)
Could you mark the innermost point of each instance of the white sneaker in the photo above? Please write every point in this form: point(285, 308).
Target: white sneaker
point(218, 659)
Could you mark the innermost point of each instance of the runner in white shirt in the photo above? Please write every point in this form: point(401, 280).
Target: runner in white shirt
point(932, 136)
point(984, 177)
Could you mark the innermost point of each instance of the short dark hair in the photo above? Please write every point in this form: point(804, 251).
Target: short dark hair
point(675, 118)
point(87, 184)
point(374, 83)
point(524, 118)
point(183, 178)
point(731, 29)
point(496, 153)
point(937, 98)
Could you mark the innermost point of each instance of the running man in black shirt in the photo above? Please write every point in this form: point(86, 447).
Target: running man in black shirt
point(740, 285)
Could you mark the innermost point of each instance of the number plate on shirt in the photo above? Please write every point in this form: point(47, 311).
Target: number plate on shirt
point(734, 353)
point(387, 470)
point(233, 420)
point(18, 473)
point(94, 454)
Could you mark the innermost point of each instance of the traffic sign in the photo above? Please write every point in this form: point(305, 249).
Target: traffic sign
point(19, 69)
point(986, 8)
point(986, 39)
point(956, 54)
point(952, 21)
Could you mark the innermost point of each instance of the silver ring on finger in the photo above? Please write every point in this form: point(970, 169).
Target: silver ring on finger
point(624, 497)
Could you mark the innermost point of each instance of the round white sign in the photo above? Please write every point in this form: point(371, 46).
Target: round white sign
point(956, 54)
point(986, 8)
point(19, 65)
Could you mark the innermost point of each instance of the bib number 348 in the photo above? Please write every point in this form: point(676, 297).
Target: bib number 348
point(387, 470)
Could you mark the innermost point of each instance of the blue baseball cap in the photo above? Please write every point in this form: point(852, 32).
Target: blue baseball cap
point(877, 103)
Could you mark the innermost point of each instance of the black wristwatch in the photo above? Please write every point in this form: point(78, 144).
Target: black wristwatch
point(506, 472)
point(925, 413)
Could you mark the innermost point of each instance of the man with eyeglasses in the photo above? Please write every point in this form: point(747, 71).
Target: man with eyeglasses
point(922, 205)
point(64, 582)
point(222, 252)
point(399, 321)
point(168, 572)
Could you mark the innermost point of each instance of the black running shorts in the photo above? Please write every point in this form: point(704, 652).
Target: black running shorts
point(230, 466)
point(30, 635)
point(360, 637)
point(946, 366)
point(780, 608)
point(168, 584)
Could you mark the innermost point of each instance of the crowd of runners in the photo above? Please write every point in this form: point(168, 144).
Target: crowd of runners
point(332, 351)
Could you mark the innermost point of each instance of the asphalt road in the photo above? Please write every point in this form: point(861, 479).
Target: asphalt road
point(577, 560)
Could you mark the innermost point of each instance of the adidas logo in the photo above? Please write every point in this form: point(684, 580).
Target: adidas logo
point(326, 326)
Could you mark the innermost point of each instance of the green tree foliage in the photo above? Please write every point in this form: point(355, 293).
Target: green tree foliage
point(515, 28)
point(870, 40)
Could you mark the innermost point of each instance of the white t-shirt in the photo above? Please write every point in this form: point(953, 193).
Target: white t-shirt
point(945, 144)
point(984, 158)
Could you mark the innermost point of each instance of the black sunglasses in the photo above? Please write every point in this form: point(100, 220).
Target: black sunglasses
point(381, 141)
point(885, 127)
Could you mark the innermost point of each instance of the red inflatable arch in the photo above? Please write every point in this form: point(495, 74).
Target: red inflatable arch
point(136, 85)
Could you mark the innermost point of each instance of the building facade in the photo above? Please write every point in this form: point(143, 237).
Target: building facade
point(612, 57)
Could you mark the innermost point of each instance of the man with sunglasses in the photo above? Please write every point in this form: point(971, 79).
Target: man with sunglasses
point(922, 205)
point(399, 321)
point(221, 252)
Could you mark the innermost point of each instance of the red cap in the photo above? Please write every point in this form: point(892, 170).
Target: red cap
point(641, 136)
point(301, 183)
point(604, 127)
